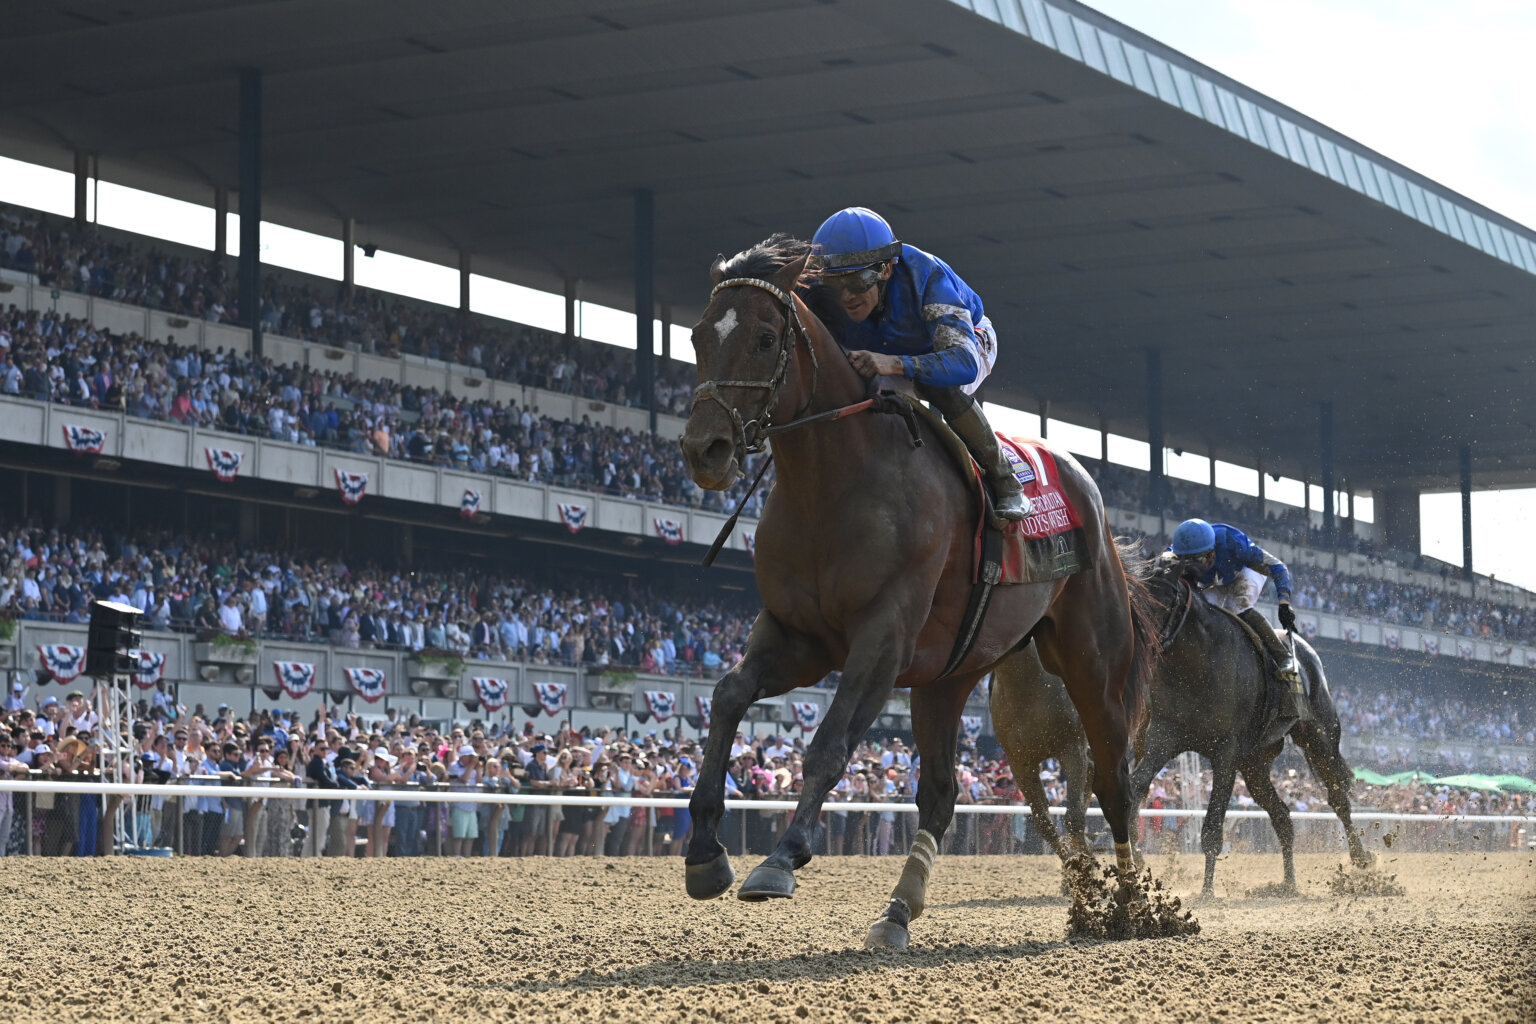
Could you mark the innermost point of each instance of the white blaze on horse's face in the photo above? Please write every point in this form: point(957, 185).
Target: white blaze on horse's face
point(725, 325)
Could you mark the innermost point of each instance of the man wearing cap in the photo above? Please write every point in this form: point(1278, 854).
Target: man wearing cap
point(80, 713)
point(536, 820)
point(465, 828)
point(49, 716)
point(16, 699)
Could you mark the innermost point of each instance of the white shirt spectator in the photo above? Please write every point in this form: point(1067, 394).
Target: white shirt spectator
point(230, 618)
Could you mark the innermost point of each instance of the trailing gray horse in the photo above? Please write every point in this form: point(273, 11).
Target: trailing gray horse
point(1211, 694)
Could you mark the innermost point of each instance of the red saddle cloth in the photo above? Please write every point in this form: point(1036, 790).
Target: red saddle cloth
point(1048, 544)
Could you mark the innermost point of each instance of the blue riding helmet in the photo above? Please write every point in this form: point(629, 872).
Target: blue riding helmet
point(854, 239)
point(1193, 537)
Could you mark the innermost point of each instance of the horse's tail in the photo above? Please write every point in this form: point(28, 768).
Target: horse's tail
point(1145, 646)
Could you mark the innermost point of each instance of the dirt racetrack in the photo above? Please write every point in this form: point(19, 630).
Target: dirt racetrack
point(557, 941)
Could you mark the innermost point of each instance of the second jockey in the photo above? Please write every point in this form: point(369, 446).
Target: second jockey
point(1231, 570)
point(906, 313)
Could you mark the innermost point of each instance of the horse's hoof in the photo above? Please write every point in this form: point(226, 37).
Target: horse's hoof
point(710, 879)
point(767, 882)
point(886, 934)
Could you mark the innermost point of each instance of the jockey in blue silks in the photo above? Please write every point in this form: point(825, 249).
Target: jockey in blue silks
point(1231, 571)
point(905, 312)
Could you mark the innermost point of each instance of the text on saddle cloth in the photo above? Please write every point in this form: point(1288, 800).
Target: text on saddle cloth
point(1048, 544)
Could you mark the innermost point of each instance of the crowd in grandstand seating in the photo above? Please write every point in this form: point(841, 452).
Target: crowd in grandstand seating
point(210, 585)
point(48, 357)
point(84, 259)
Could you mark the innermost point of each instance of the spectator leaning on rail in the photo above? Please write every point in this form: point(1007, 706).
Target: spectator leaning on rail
point(905, 313)
point(1231, 570)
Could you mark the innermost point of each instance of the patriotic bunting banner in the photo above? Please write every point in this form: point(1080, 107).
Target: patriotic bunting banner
point(1308, 628)
point(706, 705)
point(551, 697)
point(367, 683)
point(224, 463)
point(351, 485)
point(468, 506)
point(493, 692)
point(1503, 652)
point(807, 713)
point(574, 517)
point(1464, 650)
point(1530, 659)
point(661, 703)
point(1431, 644)
point(64, 662)
point(151, 667)
point(971, 725)
point(295, 677)
point(83, 439)
point(1351, 632)
point(669, 530)
point(749, 541)
point(1392, 638)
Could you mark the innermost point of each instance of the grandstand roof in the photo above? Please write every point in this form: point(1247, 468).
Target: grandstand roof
point(1100, 190)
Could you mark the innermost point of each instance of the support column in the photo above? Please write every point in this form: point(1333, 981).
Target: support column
point(571, 287)
point(1349, 497)
point(249, 521)
point(666, 337)
point(348, 256)
point(1045, 415)
point(62, 488)
point(1155, 483)
point(1397, 519)
point(1466, 511)
point(220, 223)
point(645, 300)
point(1325, 432)
point(1210, 458)
point(250, 204)
point(1103, 443)
point(82, 185)
point(1263, 506)
point(464, 284)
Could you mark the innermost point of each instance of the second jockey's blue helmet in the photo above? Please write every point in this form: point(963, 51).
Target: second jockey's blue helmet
point(853, 239)
point(1193, 537)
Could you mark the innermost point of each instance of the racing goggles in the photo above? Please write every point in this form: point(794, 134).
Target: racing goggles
point(855, 281)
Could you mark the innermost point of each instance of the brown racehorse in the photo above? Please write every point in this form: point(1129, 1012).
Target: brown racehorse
point(864, 562)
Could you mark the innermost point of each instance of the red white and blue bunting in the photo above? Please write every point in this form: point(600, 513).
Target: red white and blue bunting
point(84, 440)
point(551, 697)
point(351, 485)
point(970, 725)
point(669, 530)
point(574, 517)
point(468, 506)
point(367, 683)
point(1503, 653)
point(1392, 638)
point(807, 713)
point(1530, 659)
point(706, 706)
point(225, 463)
point(1464, 650)
point(1308, 627)
point(493, 692)
point(1351, 632)
point(63, 662)
point(749, 541)
point(662, 703)
point(295, 677)
point(1431, 643)
point(151, 668)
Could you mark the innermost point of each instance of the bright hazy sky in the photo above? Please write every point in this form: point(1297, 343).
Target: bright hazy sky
point(1441, 89)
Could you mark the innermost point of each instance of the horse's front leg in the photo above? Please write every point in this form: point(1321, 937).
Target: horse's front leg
point(777, 660)
point(936, 712)
point(862, 692)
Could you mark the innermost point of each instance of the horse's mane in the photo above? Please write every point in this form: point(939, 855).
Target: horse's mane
point(763, 260)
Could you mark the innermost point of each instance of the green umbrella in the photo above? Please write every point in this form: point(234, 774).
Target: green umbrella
point(1372, 778)
point(1468, 782)
point(1517, 783)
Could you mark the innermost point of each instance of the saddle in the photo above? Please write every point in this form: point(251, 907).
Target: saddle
point(1180, 612)
point(1045, 546)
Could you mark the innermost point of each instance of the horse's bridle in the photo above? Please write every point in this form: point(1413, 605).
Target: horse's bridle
point(747, 436)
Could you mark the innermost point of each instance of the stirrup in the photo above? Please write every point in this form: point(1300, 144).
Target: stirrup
point(1014, 508)
point(1288, 672)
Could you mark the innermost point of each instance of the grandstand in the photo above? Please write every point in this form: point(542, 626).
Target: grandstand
point(417, 442)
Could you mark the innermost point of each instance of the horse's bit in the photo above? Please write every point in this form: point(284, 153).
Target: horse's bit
point(748, 435)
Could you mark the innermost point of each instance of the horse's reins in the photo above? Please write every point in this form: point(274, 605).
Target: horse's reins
point(1177, 615)
point(748, 436)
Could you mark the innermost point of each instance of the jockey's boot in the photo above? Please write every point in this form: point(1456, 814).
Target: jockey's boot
point(972, 427)
point(1293, 698)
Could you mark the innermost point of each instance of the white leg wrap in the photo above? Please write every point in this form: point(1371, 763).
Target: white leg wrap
point(1124, 859)
point(913, 885)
